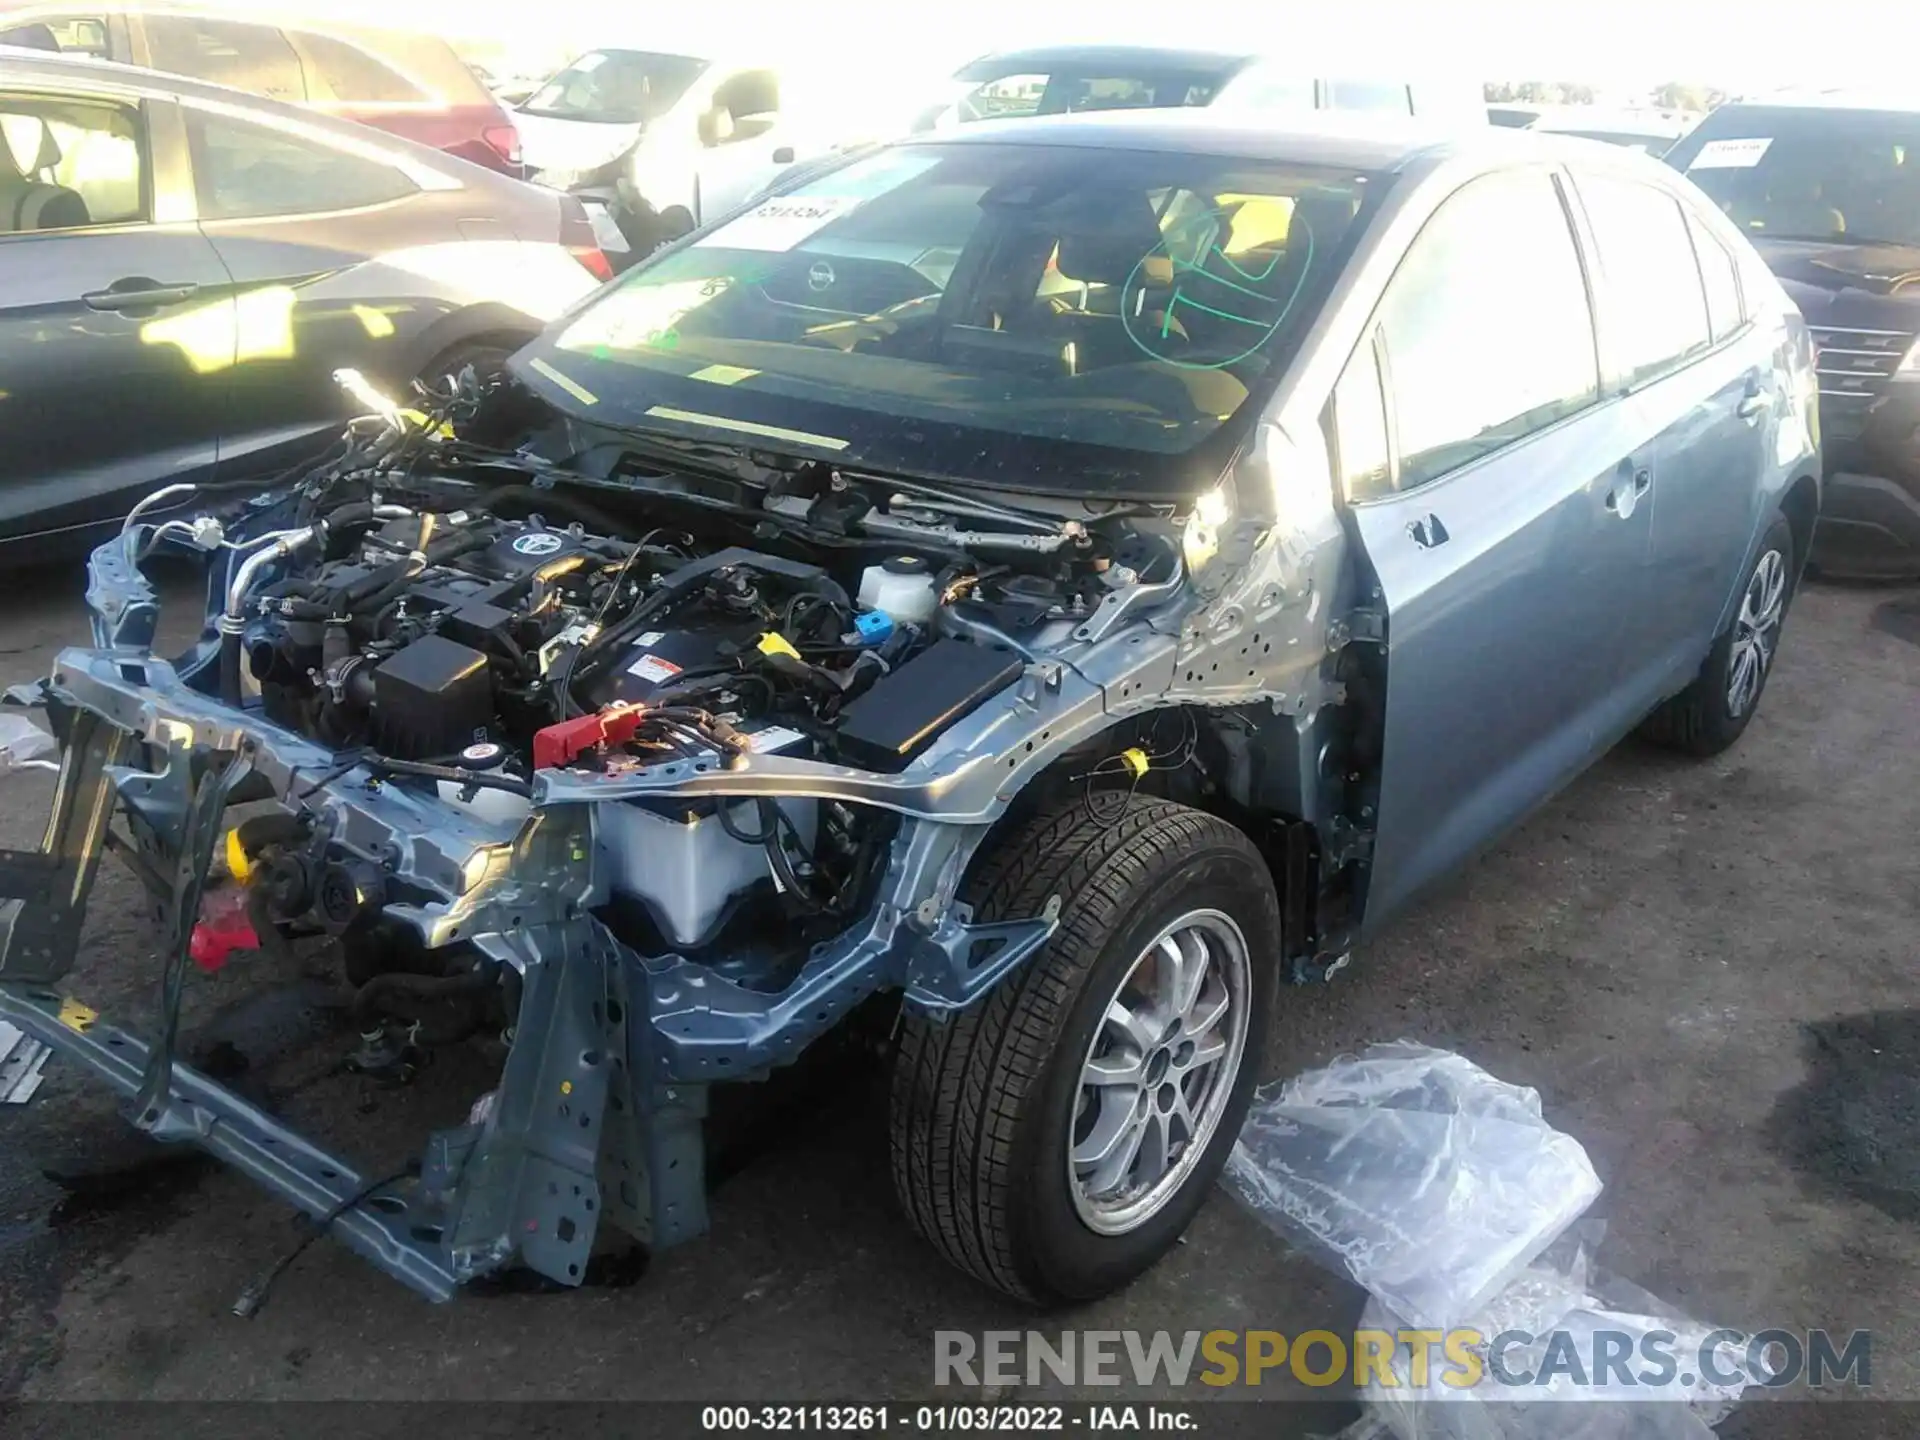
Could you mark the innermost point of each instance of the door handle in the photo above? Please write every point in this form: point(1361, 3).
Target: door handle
point(138, 295)
point(1625, 498)
point(1428, 532)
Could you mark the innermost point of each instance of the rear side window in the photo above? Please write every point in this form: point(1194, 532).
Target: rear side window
point(1720, 277)
point(1655, 298)
point(1486, 325)
point(254, 58)
point(338, 71)
point(245, 171)
point(1375, 95)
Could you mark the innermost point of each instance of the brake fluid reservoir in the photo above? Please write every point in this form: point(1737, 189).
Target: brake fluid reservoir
point(901, 586)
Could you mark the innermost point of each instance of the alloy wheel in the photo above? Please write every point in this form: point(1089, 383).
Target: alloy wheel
point(1756, 633)
point(1159, 1072)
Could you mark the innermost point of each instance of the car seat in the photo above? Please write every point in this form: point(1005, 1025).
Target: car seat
point(27, 204)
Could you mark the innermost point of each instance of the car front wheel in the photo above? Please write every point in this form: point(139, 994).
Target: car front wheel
point(1056, 1138)
point(1713, 712)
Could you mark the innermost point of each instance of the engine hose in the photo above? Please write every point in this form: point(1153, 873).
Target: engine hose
point(230, 668)
point(257, 832)
point(453, 775)
point(266, 925)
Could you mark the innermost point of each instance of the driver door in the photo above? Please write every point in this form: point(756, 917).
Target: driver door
point(1492, 491)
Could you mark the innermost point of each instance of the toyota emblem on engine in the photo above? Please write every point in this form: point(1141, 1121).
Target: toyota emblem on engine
point(540, 542)
point(820, 276)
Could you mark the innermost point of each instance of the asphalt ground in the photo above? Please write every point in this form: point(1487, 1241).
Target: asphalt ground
point(1707, 970)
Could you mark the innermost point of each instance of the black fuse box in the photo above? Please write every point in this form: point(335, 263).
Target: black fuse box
point(908, 709)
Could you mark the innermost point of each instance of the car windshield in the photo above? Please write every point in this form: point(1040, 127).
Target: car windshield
point(622, 87)
point(1807, 173)
point(1023, 315)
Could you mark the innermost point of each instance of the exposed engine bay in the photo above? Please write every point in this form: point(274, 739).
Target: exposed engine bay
point(644, 763)
point(477, 643)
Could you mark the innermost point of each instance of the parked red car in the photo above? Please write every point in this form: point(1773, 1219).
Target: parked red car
point(405, 82)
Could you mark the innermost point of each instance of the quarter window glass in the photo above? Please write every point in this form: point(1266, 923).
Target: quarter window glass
point(1654, 295)
point(337, 71)
point(1720, 278)
point(1360, 426)
point(1488, 332)
point(1266, 90)
point(243, 171)
point(67, 164)
point(255, 58)
point(1368, 95)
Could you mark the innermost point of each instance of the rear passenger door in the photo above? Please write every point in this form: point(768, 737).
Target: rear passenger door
point(1479, 461)
point(1674, 325)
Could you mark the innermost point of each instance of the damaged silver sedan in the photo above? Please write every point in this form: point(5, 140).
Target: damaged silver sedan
point(1032, 593)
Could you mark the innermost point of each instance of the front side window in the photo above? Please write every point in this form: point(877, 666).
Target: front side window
point(254, 58)
point(745, 106)
point(1375, 95)
point(1654, 294)
point(616, 87)
point(348, 75)
point(1487, 327)
point(247, 171)
point(1809, 172)
point(1097, 315)
point(67, 164)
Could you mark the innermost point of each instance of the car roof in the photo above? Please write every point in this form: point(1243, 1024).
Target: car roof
point(1341, 140)
point(107, 76)
point(1045, 59)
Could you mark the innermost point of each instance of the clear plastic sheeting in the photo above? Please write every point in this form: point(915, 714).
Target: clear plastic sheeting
point(1538, 1377)
point(25, 746)
point(1426, 1179)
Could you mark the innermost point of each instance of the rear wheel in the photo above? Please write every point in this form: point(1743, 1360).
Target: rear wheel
point(1714, 711)
point(1056, 1138)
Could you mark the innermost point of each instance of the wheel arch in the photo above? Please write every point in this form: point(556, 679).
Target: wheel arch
point(1259, 771)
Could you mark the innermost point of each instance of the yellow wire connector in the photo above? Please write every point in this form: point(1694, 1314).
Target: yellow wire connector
point(774, 643)
point(1135, 759)
point(238, 865)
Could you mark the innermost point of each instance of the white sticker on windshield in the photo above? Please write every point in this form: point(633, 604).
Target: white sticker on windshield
point(781, 223)
point(587, 64)
point(1730, 154)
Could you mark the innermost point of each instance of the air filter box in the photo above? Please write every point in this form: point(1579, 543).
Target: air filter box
point(433, 698)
